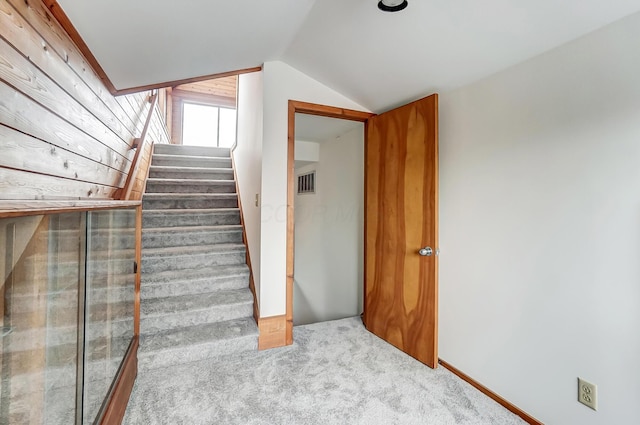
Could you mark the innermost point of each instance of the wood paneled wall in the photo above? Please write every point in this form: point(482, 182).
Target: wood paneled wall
point(62, 134)
point(221, 87)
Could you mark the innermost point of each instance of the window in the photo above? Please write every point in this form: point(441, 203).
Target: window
point(205, 125)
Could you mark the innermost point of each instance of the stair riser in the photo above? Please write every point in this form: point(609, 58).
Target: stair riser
point(68, 242)
point(161, 264)
point(153, 187)
point(191, 150)
point(190, 175)
point(154, 240)
point(58, 378)
point(71, 257)
point(170, 220)
point(58, 301)
point(150, 361)
point(65, 277)
point(203, 286)
point(120, 322)
point(99, 313)
point(162, 204)
point(201, 162)
point(191, 318)
point(35, 338)
point(26, 362)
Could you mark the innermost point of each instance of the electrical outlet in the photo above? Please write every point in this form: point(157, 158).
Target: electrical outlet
point(587, 394)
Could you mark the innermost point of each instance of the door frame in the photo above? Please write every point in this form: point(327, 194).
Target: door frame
point(322, 111)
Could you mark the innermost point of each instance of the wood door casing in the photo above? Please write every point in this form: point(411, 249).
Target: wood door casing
point(299, 107)
point(401, 187)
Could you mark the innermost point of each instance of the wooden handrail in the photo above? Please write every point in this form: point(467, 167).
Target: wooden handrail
point(138, 144)
point(20, 208)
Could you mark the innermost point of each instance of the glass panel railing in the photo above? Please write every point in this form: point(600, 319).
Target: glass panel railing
point(109, 308)
point(41, 266)
point(67, 304)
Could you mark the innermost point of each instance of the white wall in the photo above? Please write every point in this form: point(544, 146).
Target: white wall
point(306, 151)
point(248, 160)
point(282, 83)
point(329, 234)
point(540, 229)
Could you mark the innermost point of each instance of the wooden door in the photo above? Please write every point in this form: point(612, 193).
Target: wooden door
point(401, 189)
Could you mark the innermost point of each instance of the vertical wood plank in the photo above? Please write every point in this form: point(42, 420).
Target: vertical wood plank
point(290, 219)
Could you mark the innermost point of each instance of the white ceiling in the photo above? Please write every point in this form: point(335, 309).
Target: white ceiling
point(313, 128)
point(377, 59)
point(140, 42)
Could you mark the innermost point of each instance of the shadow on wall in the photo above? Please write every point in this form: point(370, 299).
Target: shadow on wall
point(306, 313)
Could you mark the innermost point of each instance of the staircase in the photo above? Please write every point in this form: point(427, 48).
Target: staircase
point(195, 297)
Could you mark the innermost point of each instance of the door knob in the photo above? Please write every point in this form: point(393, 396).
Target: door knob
point(426, 251)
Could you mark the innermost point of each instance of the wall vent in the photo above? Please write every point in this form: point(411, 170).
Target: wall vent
point(307, 183)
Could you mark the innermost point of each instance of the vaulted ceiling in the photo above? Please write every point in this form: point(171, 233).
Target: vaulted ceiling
point(377, 59)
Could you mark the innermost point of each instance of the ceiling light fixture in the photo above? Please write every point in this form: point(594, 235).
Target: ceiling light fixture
point(392, 5)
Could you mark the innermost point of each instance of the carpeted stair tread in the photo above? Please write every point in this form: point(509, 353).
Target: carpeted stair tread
point(187, 276)
point(189, 200)
point(177, 211)
point(198, 342)
point(199, 334)
point(156, 218)
point(196, 196)
point(191, 161)
point(191, 182)
point(190, 250)
point(195, 229)
point(178, 168)
point(183, 171)
point(192, 150)
point(184, 303)
point(191, 235)
point(156, 185)
point(189, 157)
point(200, 284)
point(194, 281)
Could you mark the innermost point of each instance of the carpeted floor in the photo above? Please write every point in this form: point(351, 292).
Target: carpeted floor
point(334, 373)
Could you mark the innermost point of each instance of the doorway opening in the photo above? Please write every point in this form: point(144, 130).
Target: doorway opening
point(297, 108)
point(329, 219)
point(400, 223)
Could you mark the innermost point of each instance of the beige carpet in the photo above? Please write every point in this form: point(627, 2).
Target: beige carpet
point(334, 373)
